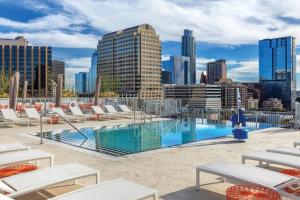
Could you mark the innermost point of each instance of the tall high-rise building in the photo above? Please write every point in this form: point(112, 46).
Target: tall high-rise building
point(177, 70)
point(32, 62)
point(92, 74)
point(132, 58)
point(277, 69)
point(188, 49)
point(216, 71)
point(81, 82)
point(58, 67)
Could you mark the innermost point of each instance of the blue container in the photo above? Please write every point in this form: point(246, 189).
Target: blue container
point(240, 134)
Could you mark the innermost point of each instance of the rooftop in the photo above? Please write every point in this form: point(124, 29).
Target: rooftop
point(170, 170)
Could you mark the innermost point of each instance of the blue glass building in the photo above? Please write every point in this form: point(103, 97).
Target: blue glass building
point(188, 49)
point(81, 82)
point(92, 74)
point(277, 69)
point(177, 70)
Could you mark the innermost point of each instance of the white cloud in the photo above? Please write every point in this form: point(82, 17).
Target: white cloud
point(73, 66)
point(247, 71)
point(223, 22)
point(56, 39)
point(84, 62)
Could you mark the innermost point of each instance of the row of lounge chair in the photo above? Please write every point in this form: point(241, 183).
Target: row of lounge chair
point(32, 115)
point(21, 184)
point(284, 156)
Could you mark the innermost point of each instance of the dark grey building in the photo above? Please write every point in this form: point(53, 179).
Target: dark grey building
point(58, 67)
point(188, 49)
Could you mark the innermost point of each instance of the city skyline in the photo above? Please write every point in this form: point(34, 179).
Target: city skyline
point(222, 33)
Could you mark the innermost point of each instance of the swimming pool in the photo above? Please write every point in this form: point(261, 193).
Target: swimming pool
point(135, 138)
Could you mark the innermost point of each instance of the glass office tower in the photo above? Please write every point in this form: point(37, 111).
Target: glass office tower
point(277, 69)
point(81, 82)
point(188, 49)
point(92, 75)
point(177, 70)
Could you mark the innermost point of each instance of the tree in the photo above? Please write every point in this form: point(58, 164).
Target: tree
point(4, 85)
point(108, 84)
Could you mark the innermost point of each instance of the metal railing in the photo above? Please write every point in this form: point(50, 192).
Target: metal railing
point(79, 131)
point(267, 117)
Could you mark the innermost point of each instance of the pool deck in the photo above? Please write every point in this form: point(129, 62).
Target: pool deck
point(171, 171)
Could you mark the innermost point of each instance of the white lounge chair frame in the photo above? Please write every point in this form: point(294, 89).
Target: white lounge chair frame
point(99, 111)
point(33, 114)
point(11, 147)
point(43, 178)
point(64, 115)
point(9, 115)
point(272, 158)
point(112, 190)
point(110, 109)
point(12, 158)
point(249, 174)
point(107, 190)
point(285, 150)
point(77, 112)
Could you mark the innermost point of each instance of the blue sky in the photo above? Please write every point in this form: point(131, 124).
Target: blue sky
point(228, 29)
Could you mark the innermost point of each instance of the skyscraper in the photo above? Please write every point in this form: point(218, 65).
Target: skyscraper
point(177, 70)
point(32, 62)
point(216, 71)
point(81, 83)
point(132, 58)
point(92, 74)
point(188, 49)
point(58, 67)
point(277, 69)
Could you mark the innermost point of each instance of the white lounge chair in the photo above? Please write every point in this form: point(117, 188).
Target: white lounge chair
point(107, 191)
point(77, 112)
point(33, 114)
point(110, 109)
point(10, 147)
point(272, 158)
point(61, 113)
point(9, 115)
point(249, 175)
point(296, 143)
point(32, 181)
point(99, 111)
point(112, 190)
point(285, 150)
point(124, 108)
point(12, 158)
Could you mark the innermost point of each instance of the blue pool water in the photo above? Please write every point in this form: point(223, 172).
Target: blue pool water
point(134, 138)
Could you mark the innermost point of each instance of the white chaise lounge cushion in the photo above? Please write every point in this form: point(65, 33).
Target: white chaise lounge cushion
point(10, 147)
point(32, 113)
point(118, 189)
point(246, 173)
point(23, 156)
point(275, 158)
point(32, 181)
point(110, 109)
point(125, 108)
point(285, 150)
point(76, 111)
